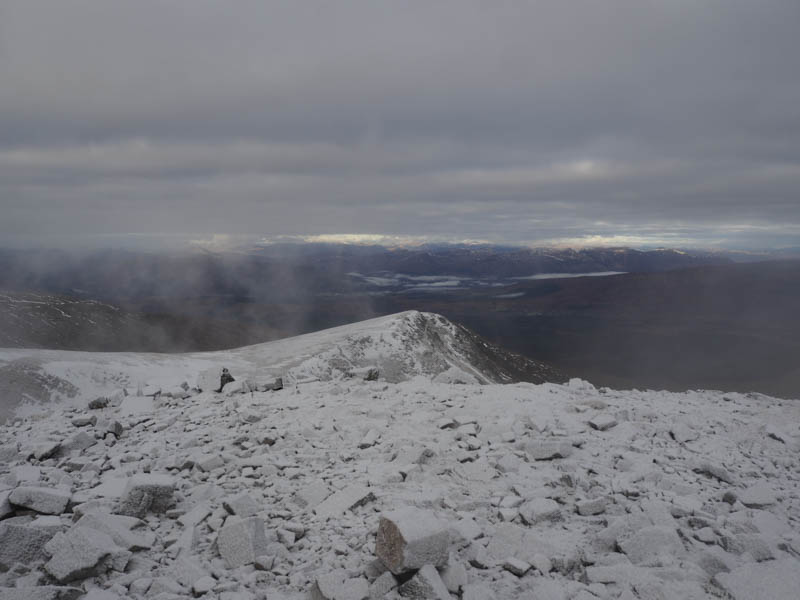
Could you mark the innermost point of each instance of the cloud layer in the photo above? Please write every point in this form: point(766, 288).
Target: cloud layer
point(576, 122)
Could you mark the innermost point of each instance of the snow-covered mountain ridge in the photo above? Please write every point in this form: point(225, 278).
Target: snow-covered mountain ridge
point(546, 491)
point(399, 346)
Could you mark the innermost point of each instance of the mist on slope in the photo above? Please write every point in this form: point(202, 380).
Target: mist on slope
point(719, 326)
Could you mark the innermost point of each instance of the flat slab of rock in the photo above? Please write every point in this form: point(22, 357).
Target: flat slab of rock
point(344, 500)
point(48, 501)
point(241, 541)
point(713, 470)
point(540, 450)
point(410, 538)
point(595, 506)
point(312, 495)
point(602, 422)
point(147, 493)
point(118, 528)
point(21, 543)
point(242, 505)
point(758, 496)
point(773, 580)
point(82, 552)
point(516, 566)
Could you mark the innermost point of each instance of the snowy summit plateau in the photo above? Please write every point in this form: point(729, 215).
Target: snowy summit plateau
point(400, 457)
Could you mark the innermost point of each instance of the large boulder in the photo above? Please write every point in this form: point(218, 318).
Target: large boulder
point(82, 552)
point(409, 538)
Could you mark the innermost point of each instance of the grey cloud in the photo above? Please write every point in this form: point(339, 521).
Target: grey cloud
point(502, 121)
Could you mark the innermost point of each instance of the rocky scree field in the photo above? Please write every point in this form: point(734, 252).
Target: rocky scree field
point(353, 487)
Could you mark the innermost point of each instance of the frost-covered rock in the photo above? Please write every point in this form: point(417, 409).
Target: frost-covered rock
point(48, 501)
point(147, 493)
point(21, 544)
point(82, 552)
point(548, 450)
point(241, 541)
point(410, 538)
point(426, 584)
point(602, 422)
point(775, 580)
point(758, 496)
point(540, 509)
point(118, 528)
point(344, 500)
point(338, 585)
point(242, 505)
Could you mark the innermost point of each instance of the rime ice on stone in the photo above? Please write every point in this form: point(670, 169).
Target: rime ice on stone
point(425, 585)
point(241, 541)
point(146, 493)
point(409, 539)
point(81, 552)
point(49, 501)
point(21, 543)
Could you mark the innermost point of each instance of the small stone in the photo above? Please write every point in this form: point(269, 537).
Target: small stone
point(242, 505)
point(203, 585)
point(540, 450)
point(595, 506)
point(542, 563)
point(264, 562)
point(110, 426)
point(540, 509)
point(602, 422)
point(713, 470)
point(706, 535)
point(98, 403)
point(410, 538)
point(369, 439)
point(516, 566)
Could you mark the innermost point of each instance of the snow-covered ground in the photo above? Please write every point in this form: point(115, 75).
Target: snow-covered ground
point(506, 491)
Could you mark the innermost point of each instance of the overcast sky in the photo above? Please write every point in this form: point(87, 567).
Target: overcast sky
point(669, 122)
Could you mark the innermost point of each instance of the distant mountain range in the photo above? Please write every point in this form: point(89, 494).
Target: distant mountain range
point(673, 319)
point(299, 270)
